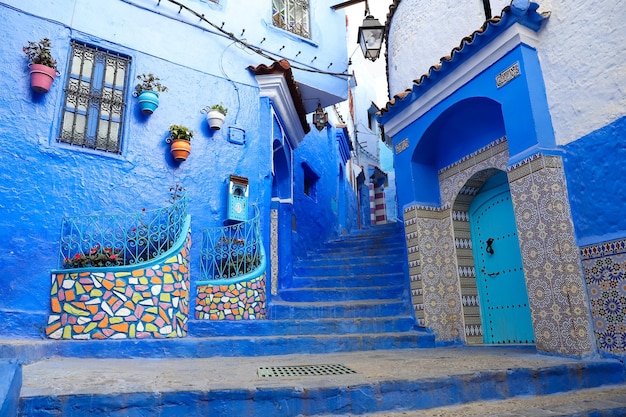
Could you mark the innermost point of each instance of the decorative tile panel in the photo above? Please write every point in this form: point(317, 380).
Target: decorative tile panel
point(441, 291)
point(238, 301)
point(556, 291)
point(125, 303)
point(604, 266)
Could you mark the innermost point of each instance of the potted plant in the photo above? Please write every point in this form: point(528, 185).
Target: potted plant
point(215, 116)
point(180, 139)
point(43, 68)
point(147, 91)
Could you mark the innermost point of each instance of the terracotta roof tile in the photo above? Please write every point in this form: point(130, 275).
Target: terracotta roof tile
point(283, 67)
point(508, 16)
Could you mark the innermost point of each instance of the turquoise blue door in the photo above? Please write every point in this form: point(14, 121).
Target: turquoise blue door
point(500, 280)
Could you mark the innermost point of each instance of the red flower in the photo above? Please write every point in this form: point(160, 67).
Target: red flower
point(108, 250)
point(113, 257)
point(77, 256)
point(134, 229)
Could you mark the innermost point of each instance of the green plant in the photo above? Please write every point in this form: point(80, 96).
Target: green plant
point(149, 83)
point(97, 256)
point(180, 132)
point(39, 53)
point(220, 108)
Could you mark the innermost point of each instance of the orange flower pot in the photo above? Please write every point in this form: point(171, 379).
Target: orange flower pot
point(180, 149)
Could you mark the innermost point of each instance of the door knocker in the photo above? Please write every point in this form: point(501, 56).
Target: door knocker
point(489, 249)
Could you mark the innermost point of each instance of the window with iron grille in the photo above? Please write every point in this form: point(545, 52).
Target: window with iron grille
point(95, 99)
point(292, 15)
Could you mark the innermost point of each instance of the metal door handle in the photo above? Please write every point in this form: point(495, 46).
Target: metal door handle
point(489, 249)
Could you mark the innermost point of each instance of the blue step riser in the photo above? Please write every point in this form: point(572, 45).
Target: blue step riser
point(336, 270)
point(313, 295)
point(351, 261)
point(241, 346)
point(348, 282)
point(360, 246)
point(356, 399)
point(299, 327)
point(304, 311)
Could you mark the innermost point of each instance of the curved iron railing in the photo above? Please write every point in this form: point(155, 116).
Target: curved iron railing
point(231, 252)
point(117, 240)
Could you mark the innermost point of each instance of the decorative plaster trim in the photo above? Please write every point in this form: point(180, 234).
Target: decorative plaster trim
point(274, 86)
point(464, 73)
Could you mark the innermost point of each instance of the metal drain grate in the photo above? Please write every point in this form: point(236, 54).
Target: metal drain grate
point(304, 370)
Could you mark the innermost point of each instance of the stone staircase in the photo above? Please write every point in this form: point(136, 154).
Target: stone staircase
point(349, 295)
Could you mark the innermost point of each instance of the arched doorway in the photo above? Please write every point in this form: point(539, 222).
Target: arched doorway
point(503, 297)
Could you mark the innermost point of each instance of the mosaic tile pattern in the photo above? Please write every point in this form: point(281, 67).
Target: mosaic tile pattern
point(239, 301)
point(556, 290)
point(415, 268)
point(439, 259)
point(604, 266)
point(440, 280)
point(131, 303)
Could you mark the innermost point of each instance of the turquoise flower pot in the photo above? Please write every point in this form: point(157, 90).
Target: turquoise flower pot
point(148, 101)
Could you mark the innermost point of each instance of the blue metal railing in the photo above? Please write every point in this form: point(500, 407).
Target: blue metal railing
point(117, 240)
point(232, 252)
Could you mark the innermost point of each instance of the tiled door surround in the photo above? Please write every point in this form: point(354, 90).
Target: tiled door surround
point(441, 265)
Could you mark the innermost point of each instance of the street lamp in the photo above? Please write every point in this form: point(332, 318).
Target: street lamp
point(371, 32)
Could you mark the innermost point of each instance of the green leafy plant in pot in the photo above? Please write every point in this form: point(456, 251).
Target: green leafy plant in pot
point(180, 139)
point(43, 67)
point(147, 91)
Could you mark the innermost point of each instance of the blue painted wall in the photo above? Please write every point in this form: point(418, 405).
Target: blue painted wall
point(595, 166)
point(44, 180)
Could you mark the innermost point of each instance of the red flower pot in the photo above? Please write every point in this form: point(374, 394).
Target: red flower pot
point(180, 149)
point(41, 78)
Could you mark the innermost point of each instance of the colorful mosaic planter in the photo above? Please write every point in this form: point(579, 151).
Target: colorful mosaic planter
point(237, 301)
point(149, 300)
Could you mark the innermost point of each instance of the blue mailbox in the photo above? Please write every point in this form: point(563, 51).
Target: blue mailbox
point(238, 198)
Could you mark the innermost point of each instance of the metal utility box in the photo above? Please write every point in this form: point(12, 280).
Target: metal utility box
point(238, 198)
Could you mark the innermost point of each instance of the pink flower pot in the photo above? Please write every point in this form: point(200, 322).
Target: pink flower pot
point(41, 78)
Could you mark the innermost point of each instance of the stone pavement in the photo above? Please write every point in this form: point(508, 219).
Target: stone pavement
point(456, 367)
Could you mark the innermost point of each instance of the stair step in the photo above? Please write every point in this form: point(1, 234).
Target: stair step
point(364, 325)
point(338, 309)
point(368, 280)
point(383, 381)
point(341, 293)
point(325, 269)
point(350, 261)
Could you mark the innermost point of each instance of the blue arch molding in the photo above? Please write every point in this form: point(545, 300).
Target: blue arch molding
point(469, 46)
point(439, 128)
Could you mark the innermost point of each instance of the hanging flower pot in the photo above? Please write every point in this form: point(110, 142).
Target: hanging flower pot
point(181, 148)
point(43, 68)
point(180, 139)
point(41, 78)
point(147, 91)
point(148, 101)
point(215, 116)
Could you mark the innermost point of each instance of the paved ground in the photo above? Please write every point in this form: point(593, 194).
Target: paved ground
point(63, 376)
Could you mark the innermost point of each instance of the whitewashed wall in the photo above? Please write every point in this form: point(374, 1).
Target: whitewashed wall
point(581, 51)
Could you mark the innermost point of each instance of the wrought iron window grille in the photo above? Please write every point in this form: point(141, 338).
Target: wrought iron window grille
point(125, 239)
point(231, 251)
point(95, 98)
point(292, 15)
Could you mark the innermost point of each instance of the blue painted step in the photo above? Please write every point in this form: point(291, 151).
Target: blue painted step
point(350, 281)
point(342, 293)
point(253, 328)
point(346, 309)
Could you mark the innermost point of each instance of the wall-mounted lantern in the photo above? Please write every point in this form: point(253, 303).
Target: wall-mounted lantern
point(371, 32)
point(320, 119)
point(238, 198)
